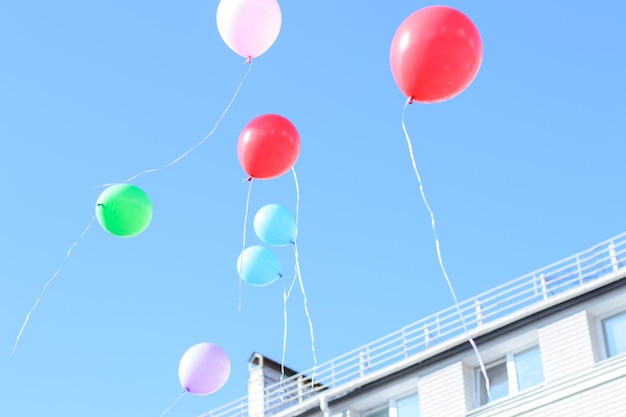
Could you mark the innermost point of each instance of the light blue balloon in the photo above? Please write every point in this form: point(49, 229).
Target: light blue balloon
point(258, 265)
point(275, 225)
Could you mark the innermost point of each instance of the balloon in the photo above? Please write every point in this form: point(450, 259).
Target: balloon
point(275, 225)
point(268, 146)
point(258, 265)
point(435, 54)
point(203, 369)
point(124, 210)
point(249, 27)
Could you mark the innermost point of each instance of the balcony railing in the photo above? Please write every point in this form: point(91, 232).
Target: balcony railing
point(514, 296)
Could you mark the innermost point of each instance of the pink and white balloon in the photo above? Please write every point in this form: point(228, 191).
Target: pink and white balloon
point(249, 27)
point(203, 369)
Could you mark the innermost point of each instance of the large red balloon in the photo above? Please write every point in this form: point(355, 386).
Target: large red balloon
point(435, 54)
point(268, 146)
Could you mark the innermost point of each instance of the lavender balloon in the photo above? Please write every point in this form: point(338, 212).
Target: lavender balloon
point(203, 369)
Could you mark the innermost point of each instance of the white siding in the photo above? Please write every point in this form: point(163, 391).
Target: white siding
point(256, 385)
point(443, 392)
point(566, 346)
point(261, 377)
point(608, 400)
point(598, 392)
point(469, 381)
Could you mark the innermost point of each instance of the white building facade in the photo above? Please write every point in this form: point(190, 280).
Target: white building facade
point(552, 342)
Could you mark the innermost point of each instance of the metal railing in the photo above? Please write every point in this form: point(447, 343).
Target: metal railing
point(528, 290)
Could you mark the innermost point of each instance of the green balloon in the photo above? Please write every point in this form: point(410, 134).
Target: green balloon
point(124, 210)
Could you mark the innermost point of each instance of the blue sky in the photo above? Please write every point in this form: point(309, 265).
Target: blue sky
point(522, 169)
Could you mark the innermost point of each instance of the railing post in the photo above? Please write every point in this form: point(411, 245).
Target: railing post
point(614, 260)
point(580, 271)
point(480, 317)
point(535, 290)
point(544, 286)
point(404, 343)
point(426, 336)
point(300, 389)
point(363, 365)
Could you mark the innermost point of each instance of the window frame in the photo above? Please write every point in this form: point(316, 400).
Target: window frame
point(480, 381)
point(397, 399)
point(602, 335)
point(377, 409)
point(511, 375)
point(390, 405)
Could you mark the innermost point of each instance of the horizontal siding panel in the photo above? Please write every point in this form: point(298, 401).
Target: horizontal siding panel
point(607, 400)
point(597, 392)
point(443, 393)
point(566, 347)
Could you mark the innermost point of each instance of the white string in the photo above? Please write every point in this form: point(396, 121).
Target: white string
point(173, 404)
point(282, 360)
point(287, 294)
point(306, 312)
point(439, 257)
point(295, 180)
point(293, 283)
point(45, 287)
point(243, 243)
point(299, 275)
point(208, 135)
point(219, 120)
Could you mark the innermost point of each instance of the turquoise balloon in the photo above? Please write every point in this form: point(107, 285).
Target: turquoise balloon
point(258, 266)
point(124, 210)
point(275, 225)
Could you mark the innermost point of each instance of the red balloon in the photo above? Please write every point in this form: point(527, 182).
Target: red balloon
point(268, 146)
point(435, 54)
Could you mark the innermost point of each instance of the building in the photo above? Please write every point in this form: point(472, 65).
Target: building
point(553, 343)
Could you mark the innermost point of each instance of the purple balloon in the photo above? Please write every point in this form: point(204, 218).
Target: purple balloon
point(203, 369)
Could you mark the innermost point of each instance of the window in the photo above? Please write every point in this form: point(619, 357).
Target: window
point(513, 373)
point(615, 334)
point(402, 407)
point(528, 368)
point(498, 383)
point(408, 407)
point(379, 413)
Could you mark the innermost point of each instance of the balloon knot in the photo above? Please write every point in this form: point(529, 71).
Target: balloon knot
point(99, 204)
point(249, 61)
point(250, 179)
point(410, 101)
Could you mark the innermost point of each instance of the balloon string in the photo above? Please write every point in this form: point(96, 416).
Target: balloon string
point(306, 312)
point(299, 275)
point(45, 287)
point(173, 404)
point(286, 295)
point(439, 257)
point(208, 135)
point(295, 180)
point(243, 243)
